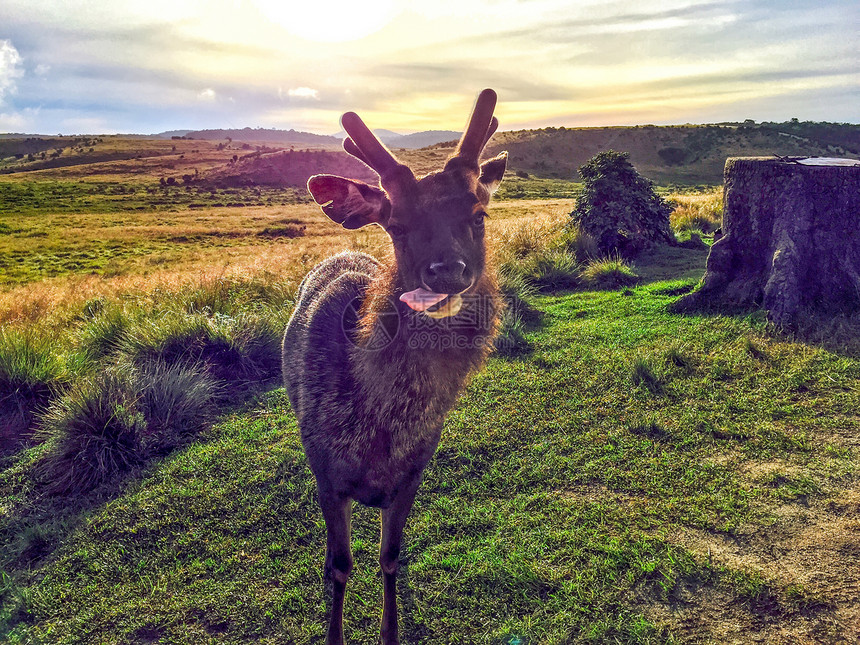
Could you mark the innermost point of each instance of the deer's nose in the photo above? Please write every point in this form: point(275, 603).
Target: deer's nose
point(446, 277)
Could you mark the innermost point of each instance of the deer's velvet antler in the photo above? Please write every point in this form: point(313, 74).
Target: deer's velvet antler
point(364, 146)
point(481, 127)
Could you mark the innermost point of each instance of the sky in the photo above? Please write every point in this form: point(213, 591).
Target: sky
point(147, 66)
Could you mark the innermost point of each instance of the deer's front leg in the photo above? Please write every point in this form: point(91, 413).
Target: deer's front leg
point(393, 521)
point(338, 558)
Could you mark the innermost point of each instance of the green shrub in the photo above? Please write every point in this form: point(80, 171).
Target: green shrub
point(609, 273)
point(619, 208)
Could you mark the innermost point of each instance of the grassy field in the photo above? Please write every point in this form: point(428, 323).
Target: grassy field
point(619, 474)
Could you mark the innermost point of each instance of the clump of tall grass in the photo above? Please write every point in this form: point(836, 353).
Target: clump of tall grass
point(229, 295)
point(531, 258)
point(702, 213)
point(95, 431)
point(177, 402)
point(30, 374)
point(235, 349)
point(101, 332)
point(609, 273)
point(236, 342)
point(643, 373)
point(146, 372)
point(114, 420)
point(545, 255)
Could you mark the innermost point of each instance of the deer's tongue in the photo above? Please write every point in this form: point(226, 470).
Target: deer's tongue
point(420, 299)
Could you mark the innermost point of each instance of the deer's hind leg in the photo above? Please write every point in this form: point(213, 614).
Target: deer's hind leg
point(337, 512)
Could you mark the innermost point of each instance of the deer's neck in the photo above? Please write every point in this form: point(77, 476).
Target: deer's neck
point(427, 358)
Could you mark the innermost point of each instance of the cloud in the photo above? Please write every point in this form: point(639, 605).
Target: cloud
point(303, 93)
point(11, 68)
point(20, 121)
point(152, 67)
point(87, 125)
point(12, 122)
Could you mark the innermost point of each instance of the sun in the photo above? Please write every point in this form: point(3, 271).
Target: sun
point(330, 21)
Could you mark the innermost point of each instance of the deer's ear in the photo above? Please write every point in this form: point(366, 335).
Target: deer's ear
point(350, 203)
point(492, 171)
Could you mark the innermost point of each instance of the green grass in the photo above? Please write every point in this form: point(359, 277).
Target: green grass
point(31, 373)
point(603, 431)
point(550, 513)
point(55, 228)
point(35, 197)
point(516, 187)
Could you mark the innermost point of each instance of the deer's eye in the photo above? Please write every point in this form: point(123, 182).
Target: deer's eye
point(478, 219)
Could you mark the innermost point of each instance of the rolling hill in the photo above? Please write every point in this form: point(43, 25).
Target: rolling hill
point(680, 155)
point(691, 154)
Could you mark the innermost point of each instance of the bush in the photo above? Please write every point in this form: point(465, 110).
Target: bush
point(619, 208)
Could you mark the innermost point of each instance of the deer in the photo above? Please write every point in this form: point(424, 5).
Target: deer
point(377, 352)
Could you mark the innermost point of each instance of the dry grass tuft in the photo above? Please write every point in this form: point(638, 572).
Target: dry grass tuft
point(701, 213)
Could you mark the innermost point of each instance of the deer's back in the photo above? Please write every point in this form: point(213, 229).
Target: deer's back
point(315, 350)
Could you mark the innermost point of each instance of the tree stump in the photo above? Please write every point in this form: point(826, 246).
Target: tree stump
point(790, 239)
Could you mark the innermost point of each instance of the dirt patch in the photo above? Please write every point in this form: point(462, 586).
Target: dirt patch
point(806, 560)
point(809, 559)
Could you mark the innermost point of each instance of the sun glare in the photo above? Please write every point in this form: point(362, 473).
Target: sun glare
point(329, 21)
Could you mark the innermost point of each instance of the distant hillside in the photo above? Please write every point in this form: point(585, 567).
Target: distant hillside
point(682, 155)
point(391, 139)
point(172, 133)
point(412, 141)
point(286, 168)
point(672, 154)
point(264, 134)
point(420, 139)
